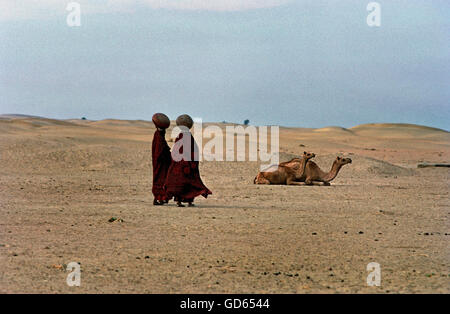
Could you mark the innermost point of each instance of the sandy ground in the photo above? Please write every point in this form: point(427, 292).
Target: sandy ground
point(61, 181)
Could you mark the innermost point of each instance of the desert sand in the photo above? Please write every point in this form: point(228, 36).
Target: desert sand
point(62, 180)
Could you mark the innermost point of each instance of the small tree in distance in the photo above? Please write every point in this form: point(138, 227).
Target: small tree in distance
point(246, 122)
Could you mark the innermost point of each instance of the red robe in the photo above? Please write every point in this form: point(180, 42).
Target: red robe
point(183, 180)
point(161, 160)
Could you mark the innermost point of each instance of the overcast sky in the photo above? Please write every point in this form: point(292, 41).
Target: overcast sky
point(307, 63)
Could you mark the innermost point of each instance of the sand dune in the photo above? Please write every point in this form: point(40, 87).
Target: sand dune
point(333, 129)
point(61, 181)
point(19, 116)
point(398, 130)
point(398, 126)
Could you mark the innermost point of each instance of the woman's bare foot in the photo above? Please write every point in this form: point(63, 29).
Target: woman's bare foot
point(158, 203)
point(180, 205)
point(190, 204)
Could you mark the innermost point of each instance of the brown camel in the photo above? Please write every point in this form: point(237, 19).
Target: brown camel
point(285, 173)
point(313, 175)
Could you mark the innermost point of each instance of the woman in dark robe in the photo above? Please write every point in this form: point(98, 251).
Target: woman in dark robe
point(161, 159)
point(183, 181)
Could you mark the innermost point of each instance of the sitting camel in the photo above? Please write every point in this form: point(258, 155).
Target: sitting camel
point(285, 173)
point(313, 174)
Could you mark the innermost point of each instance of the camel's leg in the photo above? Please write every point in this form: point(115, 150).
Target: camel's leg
point(311, 182)
point(292, 182)
point(319, 183)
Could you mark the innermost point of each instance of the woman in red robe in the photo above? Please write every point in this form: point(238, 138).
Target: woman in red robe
point(161, 159)
point(183, 181)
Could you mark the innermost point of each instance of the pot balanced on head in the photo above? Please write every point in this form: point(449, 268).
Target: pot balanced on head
point(161, 120)
point(185, 120)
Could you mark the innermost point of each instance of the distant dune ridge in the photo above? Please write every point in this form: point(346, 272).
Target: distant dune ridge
point(18, 116)
point(384, 127)
point(395, 125)
point(333, 129)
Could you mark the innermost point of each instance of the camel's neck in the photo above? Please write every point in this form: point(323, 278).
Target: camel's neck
point(333, 172)
point(303, 163)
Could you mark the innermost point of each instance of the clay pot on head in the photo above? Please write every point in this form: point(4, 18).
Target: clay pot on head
point(185, 120)
point(161, 120)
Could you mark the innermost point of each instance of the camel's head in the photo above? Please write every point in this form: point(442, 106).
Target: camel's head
point(308, 156)
point(343, 161)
